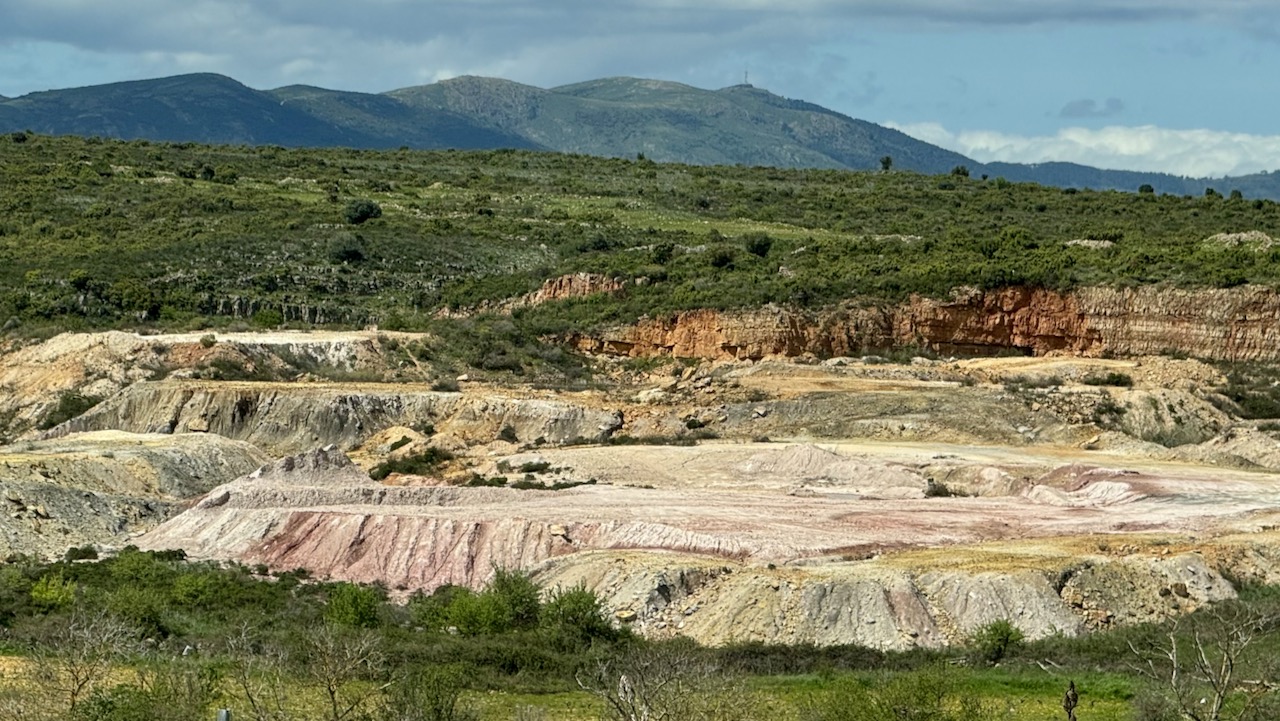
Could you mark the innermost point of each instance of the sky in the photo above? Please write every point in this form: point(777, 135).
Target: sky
point(1181, 86)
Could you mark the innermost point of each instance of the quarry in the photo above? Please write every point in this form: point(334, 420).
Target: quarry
point(728, 477)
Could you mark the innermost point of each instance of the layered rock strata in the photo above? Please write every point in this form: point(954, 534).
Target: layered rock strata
point(287, 418)
point(1236, 324)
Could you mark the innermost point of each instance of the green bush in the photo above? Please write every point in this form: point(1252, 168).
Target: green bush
point(992, 642)
point(932, 694)
point(353, 606)
point(360, 211)
point(71, 404)
point(575, 619)
point(420, 464)
point(52, 593)
point(1112, 378)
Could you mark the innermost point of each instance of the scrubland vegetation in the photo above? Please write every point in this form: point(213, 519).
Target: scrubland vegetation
point(146, 635)
point(97, 233)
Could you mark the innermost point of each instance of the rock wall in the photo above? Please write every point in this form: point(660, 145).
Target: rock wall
point(1234, 324)
point(288, 418)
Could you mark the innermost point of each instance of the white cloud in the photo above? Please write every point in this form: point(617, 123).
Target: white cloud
point(1195, 153)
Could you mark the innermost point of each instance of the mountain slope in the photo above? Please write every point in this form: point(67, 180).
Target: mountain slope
point(678, 123)
point(618, 117)
point(387, 122)
point(201, 108)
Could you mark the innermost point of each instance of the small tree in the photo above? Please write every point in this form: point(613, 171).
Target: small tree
point(353, 606)
point(668, 680)
point(1146, 189)
point(74, 655)
point(961, 171)
point(886, 163)
point(1215, 671)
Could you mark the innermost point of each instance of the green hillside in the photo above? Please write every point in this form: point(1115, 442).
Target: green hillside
point(106, 233)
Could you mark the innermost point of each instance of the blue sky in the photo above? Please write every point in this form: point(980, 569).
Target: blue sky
point(1172, 85)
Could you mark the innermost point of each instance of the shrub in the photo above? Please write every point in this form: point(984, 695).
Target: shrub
point(992, 642)
point(1112, 378)
point(758, 244)
point(268, 318)
point(445, 385)
point(935, 694)
point(359, 211)
point(52, 593)
point(575, 618)
point(420, 464)
point(86, 552)
point(431, 693)
point(71, 404)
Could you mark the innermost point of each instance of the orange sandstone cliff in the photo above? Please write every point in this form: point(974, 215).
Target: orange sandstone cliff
point(1234, 324)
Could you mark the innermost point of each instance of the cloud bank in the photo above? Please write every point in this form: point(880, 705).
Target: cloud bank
point(381, 44)
point(1195, 153)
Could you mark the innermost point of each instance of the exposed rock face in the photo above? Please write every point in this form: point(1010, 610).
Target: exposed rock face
point(803, 556)
point(287, 418)
point(100, 364)
point(751, 334)
point(1224, 324)
point(100, 487)
point(576, 285)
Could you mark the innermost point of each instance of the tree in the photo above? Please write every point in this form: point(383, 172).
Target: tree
point(353, 606)
point(665, 681)
point(1216, 671)
point(961, 171)
point(1146, 189)
point(75, 654)
point(339, 662)
point(886, 163)
point(358, 211)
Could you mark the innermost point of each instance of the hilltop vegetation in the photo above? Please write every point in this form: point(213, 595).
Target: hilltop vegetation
point(100, 233)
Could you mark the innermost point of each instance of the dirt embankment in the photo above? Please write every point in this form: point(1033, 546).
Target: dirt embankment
point(1229, 324)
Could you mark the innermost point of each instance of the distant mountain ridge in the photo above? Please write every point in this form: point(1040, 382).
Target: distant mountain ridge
point(619, 117)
